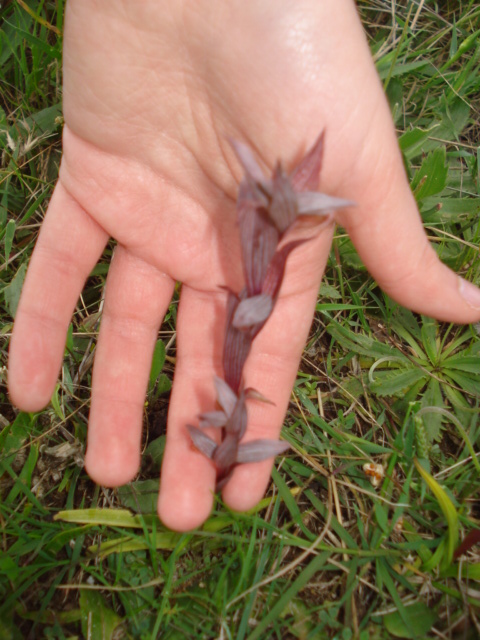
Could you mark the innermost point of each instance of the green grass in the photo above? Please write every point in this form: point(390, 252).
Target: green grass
point(326, 554)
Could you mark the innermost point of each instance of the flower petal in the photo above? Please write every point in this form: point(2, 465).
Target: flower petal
point(226, 453)
point(201, 441)
point(214, 419)
point(276, 268)
point(247, 160)
point(252, 311)
point(306, 175)
point(283, 208)
point(236, 347)
point(259, 238)
point(226, 398)
point(237, 422)
point(312, 203)
point(253, 394)
point(258, 450)
point(223, 479)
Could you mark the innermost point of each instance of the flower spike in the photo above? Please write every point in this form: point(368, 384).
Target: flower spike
point(267, 209)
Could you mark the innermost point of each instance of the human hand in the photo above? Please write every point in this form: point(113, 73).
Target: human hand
point(152, 92)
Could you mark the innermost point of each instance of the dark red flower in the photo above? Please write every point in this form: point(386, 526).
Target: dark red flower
point(232, 419)
point(267, 209)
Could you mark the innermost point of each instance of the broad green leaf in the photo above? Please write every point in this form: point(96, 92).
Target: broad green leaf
point(13, 290)
point(395, 98)
point(432, 397)
point(9, 235)
point(385, 362)
point(327, 291)
point(125, 519)
point(395, 381)
point(47, 120)
point(354, 387)
point(409, 334)
point(349, 254)
point(140, 496)
point(448, 510)
point(455, 116)
point(158, 361)
point(161, 539)
point(98, 621)
point(404, 318)
point(421, 618)
point(451, 120)
point(429, 338)
point(55, 400)
point(108, 517)
point(431, 178)
point(155, 450)
point(307, 403)
point(125, 544)
point(452, 346)
point(467, 571)
point(412, 142)
point(69, 342)
point(164, 384)
point(412, 393)
point(24, 479)
point(457, 399)
point(100, 269)
point(362, 344)
point(473, 349)
point(438, 556)
point(401, 68)
point(467, 364)
point(8, 568)
point(451, 209)
point(468, 382)
point(12, 438)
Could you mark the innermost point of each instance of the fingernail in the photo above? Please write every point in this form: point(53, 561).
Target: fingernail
point(470, 293)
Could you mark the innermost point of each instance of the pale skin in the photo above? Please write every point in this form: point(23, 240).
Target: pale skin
point(152, 92)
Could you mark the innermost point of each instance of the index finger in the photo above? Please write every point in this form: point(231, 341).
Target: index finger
point(69, 245)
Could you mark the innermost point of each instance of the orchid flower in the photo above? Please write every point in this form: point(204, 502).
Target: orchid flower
point(232, 419)
point(267, 209)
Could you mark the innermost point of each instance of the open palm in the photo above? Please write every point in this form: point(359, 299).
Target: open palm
point(152, 93)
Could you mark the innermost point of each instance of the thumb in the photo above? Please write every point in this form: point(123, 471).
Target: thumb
point(387, 231)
